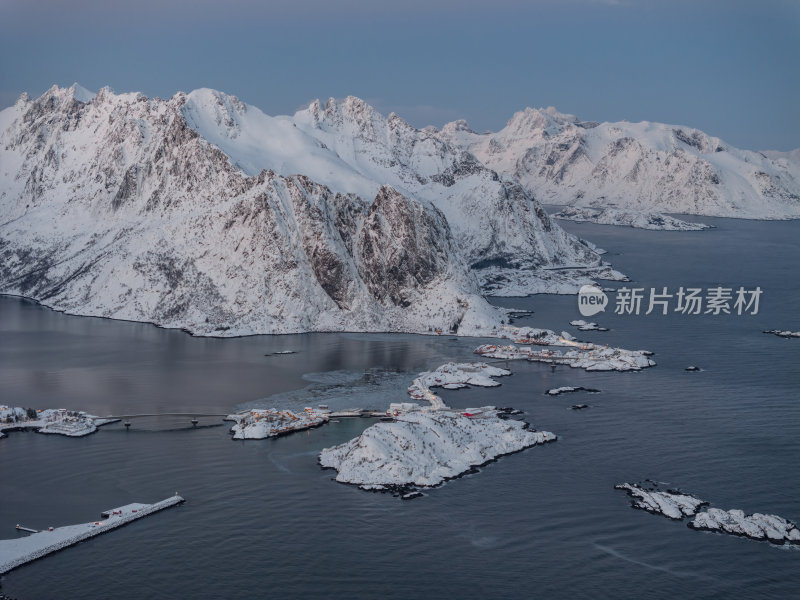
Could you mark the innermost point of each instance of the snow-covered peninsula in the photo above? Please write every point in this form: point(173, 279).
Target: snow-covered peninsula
point(583, 355)
point(628, 218)
point(453, 376)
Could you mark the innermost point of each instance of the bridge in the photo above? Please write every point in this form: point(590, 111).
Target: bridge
point(334, 414)
point(190, 414)
point(126, 418)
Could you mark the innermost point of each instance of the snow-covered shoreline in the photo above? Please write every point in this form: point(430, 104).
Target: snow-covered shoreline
point(518, 282)
point(17, 552)
point(628, 218)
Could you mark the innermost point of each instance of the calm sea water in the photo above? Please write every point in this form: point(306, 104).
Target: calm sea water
point(262, 519)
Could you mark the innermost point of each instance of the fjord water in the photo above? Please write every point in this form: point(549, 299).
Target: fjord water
point(262, 518)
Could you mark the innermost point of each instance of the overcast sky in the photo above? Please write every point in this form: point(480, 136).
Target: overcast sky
point(729, 67)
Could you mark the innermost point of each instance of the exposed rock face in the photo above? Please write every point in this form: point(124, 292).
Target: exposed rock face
point(634, 166)
point(492, 218)
point(201, 212)
point(392, 272)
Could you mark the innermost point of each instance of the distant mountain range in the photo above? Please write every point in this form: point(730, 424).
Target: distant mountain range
point(649, 167)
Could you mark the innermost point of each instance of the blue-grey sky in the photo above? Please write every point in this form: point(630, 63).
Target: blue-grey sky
point(729, 67)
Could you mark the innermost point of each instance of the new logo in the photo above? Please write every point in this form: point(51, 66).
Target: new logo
point(591, 300)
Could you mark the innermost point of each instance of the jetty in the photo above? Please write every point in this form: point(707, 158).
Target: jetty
point(17, 552)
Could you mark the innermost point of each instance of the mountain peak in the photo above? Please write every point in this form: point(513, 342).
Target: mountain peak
point(458, 125)
point(547, 119)
point(80, 93)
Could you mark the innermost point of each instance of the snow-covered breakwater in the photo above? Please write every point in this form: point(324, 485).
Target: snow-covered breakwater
point(423, 448)
point(17, 552)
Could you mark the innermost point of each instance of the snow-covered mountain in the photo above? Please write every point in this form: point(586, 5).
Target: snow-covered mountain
point(634, 166)
point(351, 148)
point(204, 213)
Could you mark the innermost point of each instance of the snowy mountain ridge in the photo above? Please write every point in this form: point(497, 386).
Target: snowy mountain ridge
point(201, 212)
point(651, 167)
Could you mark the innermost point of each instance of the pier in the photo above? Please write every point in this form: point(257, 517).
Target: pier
point(17, 552)
point(28, 529)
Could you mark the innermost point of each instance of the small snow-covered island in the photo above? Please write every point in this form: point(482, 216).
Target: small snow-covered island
point(426, 445)
point(757, 526)
point(677, 505)
point(583, 355)
point(257, 424)
point(566, 389)
point(19, 551)
point(670, 503)
point(784, 334)
point(586, 326)
point(59, 421)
